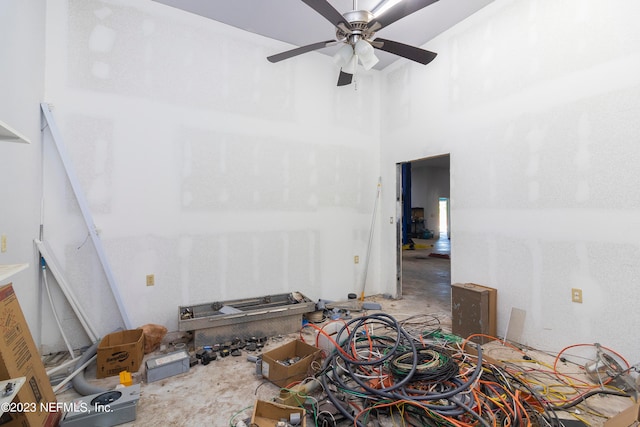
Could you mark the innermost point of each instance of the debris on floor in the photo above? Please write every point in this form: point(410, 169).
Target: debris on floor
point(380, 372)
point(439, 255)
point(378, 369)
point(153, 336)
point(413, 246)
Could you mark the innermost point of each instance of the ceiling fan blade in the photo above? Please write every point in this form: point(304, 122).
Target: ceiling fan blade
point(344, 79)
point(299, 50)
point(324, 8)
point(398, 11)
point(410, 52)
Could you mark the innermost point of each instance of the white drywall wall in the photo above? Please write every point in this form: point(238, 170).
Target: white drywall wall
point(220, 173)
point(537, 102)
point(21, 89)
point(178, 152)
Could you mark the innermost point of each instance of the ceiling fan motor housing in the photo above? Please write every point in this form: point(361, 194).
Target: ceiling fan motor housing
point(359, 19)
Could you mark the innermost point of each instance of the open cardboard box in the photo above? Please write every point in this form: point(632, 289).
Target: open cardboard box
point(267, 414)
point(120, 351)
point(282, 375)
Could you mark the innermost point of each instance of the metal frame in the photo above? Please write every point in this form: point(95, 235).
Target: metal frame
point(52, 265)
point(399, 237)
point(86, 213)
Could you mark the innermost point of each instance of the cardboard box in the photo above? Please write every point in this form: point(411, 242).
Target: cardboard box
point(626, 418)
point(267, 414)
point(19, 357)
point(473, 311)
point(284, 374)
point(120, 351)
point(417, 213)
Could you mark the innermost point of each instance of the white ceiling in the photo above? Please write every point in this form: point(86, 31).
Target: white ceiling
point(294, 22)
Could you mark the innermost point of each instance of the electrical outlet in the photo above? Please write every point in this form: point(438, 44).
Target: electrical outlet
point(151, 280)
point(576, 295)
point(3, 244)
point(356, 259)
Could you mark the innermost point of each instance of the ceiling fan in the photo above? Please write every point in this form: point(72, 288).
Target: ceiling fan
point(356, 31)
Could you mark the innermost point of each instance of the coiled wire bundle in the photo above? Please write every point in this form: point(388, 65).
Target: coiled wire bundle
point(432, 365)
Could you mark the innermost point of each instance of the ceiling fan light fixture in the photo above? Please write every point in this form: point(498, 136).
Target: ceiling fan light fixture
point(350, 67)
point(365, 52)
point(343, 55)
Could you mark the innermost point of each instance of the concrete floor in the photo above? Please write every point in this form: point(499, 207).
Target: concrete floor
point(426, 280)
point(228, 387)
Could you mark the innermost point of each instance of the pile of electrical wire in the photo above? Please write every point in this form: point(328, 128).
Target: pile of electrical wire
point(378, 369)
point(391, 372)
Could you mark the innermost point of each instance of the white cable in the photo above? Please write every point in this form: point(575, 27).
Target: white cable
point(53, 309)
point(73, 302)
point(62, 366)
point(330, 414)
point(365, 377)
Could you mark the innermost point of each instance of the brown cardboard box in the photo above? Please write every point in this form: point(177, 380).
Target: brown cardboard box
point(626, 418)
point(417, 213)
point(473, 311)
point(267, 414)
point(282, 375)
point(120, 351)
point(19, 357)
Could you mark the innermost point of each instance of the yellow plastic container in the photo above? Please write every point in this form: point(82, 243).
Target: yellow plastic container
point(125, 378)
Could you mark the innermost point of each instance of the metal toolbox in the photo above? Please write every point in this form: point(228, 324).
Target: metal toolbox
point(270, 315)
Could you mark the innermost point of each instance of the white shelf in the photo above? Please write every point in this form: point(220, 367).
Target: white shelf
point(16, 385)
point(8, 270)
point(12, 135)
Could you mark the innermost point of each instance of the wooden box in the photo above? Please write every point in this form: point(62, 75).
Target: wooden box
point(473, 311)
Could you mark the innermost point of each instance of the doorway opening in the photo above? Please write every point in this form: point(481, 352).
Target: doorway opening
point(424, 265)
point(443, 214)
